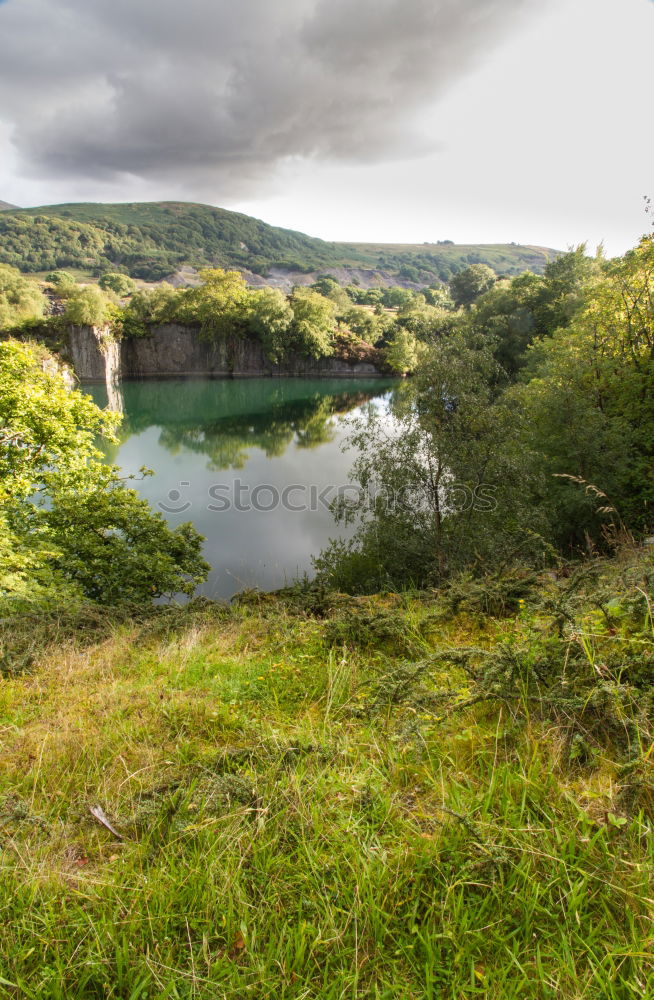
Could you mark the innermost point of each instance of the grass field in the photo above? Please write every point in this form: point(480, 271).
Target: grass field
point(315, 800)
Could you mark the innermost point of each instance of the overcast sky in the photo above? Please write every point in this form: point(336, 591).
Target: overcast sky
point(395, 120)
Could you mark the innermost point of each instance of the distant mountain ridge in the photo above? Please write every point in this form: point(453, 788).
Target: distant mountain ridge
point(154, 240)
point(6, 207)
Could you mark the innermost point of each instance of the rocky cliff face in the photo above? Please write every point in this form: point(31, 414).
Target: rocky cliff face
point(177, 350)
point(95, 354)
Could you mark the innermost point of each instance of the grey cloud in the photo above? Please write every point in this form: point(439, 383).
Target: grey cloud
point(219, 93)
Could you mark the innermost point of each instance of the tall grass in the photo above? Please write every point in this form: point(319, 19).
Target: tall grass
point(294, 825)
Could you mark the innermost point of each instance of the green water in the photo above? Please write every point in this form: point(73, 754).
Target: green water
point(252, 463)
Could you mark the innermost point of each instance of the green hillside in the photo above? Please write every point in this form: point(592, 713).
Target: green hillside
point(152, 240)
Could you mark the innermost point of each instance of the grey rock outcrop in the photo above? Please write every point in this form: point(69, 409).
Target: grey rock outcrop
point(173, 350)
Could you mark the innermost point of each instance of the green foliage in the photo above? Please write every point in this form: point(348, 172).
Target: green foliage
point(223, 307)
point(517, 312)
point(45, 242)
point(444, 487)
point(62, 281)
point(366, 324)
point(20, 298)
point(44, 425)
point(439, 296)
point(28, 579)
point(589, 406)
point(112, 546)
point(567, 454)
point(512, 313)
point(218, 305)
point(89, 305)
point(426, 322)
point(270, 317)
point(148, 308)
point(121, 284)
point(367, 296)
point(70, 528)
point(313, 325)
point(470, 283)
point(569, 279)
point(331, 289)
point(400, 353)
point(396, 298)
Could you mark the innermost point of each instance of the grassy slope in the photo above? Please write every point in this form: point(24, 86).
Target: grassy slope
point(300, 821)
point(200, 234)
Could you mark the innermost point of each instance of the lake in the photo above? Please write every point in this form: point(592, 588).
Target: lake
point(253, 463)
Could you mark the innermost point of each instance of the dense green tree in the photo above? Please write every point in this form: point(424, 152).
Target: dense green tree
point(270, 318)
point(113, 547)
point(568, 280)
point(329, 287)
point(223, 306)
point(439, 296)
point(70, 529)
point(20, 298)
point(367, 296)
point(63, 282)
point(396, 298)
point(589, 406)
point(44, 426)
point(89, 305)
point(518, 311)
point(150, 307)
point(400, 352)
point(313, 322)
point(512, 313)
point(325, 284)
point(219, 305)
point(427, 322)
point(443, 485)
point(366, 324)
point(121, 284)
point(568, 453)
point(470, 283)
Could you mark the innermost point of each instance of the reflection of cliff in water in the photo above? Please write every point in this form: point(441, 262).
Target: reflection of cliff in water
point(225, 419)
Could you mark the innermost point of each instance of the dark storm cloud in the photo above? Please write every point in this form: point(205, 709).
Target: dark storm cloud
point(219, 93)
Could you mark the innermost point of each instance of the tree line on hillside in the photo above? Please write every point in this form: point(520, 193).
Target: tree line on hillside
point(152, 250)
point(153, 240)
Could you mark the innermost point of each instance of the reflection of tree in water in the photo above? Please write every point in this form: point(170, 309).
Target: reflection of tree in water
point(224, 420)
point(227, 443)
point(320, 428)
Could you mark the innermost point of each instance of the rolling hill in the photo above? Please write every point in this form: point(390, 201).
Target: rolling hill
point(153, 240)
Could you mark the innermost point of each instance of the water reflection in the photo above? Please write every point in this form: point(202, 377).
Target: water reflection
point(203, 435)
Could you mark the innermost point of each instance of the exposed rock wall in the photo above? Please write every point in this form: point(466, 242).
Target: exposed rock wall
point(176, 350)
point(87, 354)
